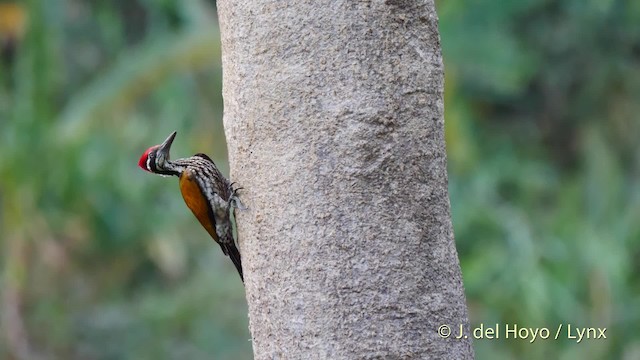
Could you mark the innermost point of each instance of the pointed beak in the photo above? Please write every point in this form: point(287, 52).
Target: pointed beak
point(165, 147)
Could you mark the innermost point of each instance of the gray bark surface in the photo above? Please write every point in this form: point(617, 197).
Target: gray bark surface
point(334, 121)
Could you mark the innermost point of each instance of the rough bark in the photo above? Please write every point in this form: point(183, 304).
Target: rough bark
point(334, 120)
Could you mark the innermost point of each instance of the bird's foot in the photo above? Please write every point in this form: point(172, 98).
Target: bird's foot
point(234, 200)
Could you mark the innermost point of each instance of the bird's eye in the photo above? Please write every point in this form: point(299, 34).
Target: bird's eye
point(149, 159)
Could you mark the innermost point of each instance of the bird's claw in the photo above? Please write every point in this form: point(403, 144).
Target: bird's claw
point(234, 200)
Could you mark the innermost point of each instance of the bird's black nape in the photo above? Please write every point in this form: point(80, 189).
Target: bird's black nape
point(204, 156)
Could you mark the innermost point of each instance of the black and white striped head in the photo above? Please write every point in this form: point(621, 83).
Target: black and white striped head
point(156, 158)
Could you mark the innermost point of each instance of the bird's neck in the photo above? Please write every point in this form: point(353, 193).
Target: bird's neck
point(173, 167)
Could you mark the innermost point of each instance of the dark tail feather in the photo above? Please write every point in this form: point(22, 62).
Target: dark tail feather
point(234, 255)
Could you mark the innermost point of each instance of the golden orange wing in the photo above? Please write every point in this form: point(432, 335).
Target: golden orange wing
point(196, 201)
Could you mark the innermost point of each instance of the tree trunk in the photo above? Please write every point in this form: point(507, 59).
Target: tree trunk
point(334, 120)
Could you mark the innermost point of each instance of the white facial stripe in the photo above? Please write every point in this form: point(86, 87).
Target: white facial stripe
point(148, 162)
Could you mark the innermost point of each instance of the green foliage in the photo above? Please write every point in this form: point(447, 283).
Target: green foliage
point(101, 260)
point(541, 130)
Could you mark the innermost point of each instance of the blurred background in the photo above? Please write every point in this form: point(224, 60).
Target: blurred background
point(102, 261)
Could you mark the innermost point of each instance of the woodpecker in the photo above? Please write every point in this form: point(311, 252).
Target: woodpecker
point(209, 195)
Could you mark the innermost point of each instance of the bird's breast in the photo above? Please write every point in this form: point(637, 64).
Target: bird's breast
point(197, 202)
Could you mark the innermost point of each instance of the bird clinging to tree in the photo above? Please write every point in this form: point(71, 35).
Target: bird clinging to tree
point(209, 195)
